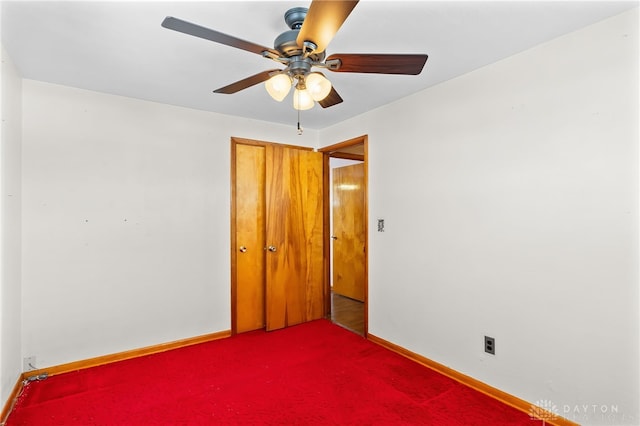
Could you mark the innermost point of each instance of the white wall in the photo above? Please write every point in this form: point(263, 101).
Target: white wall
point(126, 220)
point(10, 201)
point(511, 203)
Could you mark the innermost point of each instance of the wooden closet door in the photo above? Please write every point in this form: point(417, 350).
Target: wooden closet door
point(250, 237)
point(294, 259)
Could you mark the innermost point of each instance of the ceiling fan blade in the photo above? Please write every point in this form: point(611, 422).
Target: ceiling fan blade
point(332, 99)
point(378, 63)
point(245, 83)
point(213, 35)
point(323, 20)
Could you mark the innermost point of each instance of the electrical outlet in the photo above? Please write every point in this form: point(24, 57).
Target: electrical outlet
point(29, 363)
point(490, 345)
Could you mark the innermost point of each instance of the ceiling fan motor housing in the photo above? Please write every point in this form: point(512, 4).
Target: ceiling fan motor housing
point(286, 43)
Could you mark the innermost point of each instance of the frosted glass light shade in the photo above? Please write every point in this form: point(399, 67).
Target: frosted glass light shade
point(318, 86)
point(302, 99)
point(278, 86)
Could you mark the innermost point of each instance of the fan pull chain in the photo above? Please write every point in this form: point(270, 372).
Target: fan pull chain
point(300, 129)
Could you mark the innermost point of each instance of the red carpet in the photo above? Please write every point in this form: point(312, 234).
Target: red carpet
point(311, 374)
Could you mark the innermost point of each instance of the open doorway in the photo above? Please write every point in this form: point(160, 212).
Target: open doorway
point(345, 200)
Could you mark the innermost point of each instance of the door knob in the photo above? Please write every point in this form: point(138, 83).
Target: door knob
point(272, 249)
point(243, 249)
point(333, 237)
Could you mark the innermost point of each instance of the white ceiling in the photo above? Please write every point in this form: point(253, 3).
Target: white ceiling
point(120, 47)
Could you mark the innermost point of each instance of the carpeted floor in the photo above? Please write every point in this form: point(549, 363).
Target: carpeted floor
point(311, 374)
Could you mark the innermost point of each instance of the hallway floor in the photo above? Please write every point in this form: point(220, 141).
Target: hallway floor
point(347, 313)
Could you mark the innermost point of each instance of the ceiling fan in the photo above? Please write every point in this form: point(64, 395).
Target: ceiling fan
point(300, 49)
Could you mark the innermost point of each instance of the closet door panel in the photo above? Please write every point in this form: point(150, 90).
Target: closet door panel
point(250, 237)
point(294, 259)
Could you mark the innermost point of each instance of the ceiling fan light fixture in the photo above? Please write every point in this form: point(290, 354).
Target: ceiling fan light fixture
point(318, 86)
point(278, 86)
point(302, 100)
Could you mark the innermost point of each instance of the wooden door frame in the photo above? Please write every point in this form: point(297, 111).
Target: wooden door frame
point(234, 245)
point(333, 151)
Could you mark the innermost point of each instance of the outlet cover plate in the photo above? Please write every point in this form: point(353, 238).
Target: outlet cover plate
point(490, 345)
